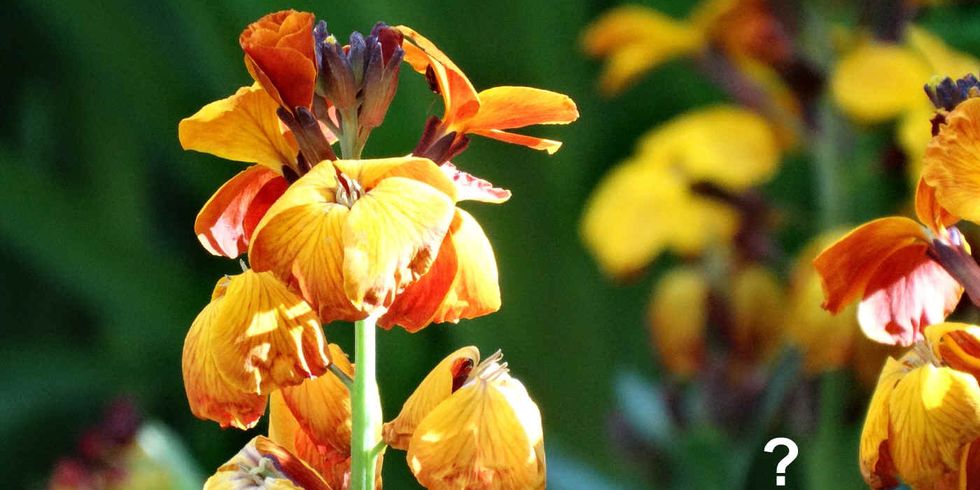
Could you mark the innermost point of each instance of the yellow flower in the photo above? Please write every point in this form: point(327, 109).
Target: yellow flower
point(677, 317)
point(646, 204)
point(951, 164)
point(862, 92)
point(924, 417)
point(469, 424)
point(254, 337)
point(264, 465)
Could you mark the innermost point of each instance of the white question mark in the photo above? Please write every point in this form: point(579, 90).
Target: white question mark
point(783, 463)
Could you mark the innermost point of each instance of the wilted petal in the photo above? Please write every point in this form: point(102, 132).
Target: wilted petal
point(952, 161)
point(485, 435)
point(678, 316)
point(210, 396)
point(447, 377)
point(264, 465)
point(243, 127)
point(322, 405)
point(934, 412)
point(634, 40)
point(264, 336)
point(391, 237)
point(877, 467)
point(859, 88)
point(472, 188)
point(414, 307)
point(225, 223)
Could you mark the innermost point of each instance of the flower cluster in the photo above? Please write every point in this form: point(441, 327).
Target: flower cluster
point(340, 238)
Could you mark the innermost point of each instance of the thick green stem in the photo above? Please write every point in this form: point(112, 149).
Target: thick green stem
point(365, 408)
point(350, 141)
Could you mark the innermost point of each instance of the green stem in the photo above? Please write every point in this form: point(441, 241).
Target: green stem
point(826, 137)
point(365, 408)
point(350, 141)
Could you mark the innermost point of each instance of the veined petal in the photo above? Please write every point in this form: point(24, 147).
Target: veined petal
point(485, 435)
point(457, 92)
point(952, 161)
point(678, 315)
point(908, 292)
point(532, 142)
point(225, 224)
point(264, 465)
point(475, 291)
point(369, 173)
point(322, 405)
point(859, 89)
point(285, 430)
point(414, 307)
point(210, 396)
point(391, 237)
point(508, 107)
point(957, 344)
point(243, 127)
point(934, 412)
point(846, 266)
point(877, 467)
point(928, 209)
point(300, 240)
point(447, 377)
point(264, 336)
point(472, 188)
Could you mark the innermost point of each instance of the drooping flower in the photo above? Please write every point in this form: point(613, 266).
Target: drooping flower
point(469, 424)
point(279, 55)
point(923, 422)
point(364, 236)
point(886, 266)
point(487, 113)
point(648, 204)
point(255, 336)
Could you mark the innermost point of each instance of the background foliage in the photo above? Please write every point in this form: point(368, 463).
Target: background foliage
point(101, 275)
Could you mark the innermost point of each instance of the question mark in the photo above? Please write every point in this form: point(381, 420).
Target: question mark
point(783, 463)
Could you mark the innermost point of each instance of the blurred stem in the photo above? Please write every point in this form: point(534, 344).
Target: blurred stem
point(365, 408)
point(831, 453)
point(826, 138)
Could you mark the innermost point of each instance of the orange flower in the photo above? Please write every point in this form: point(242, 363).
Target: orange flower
point(469, 424)
point(279, 54)
point(254, 336)
point(387, 237)
point(885, 264)
point(487, 113)
point(243, 127)
point(264, 464)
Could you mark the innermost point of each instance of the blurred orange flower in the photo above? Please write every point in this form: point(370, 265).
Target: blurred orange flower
point(487, 113)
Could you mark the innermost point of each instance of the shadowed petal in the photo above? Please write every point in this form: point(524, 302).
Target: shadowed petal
point(225, 223)
point(475, 291)
point(322, 405)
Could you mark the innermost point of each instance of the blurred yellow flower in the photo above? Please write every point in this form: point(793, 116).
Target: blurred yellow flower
point(646, 204)
point(758, 314)
point(924, 418)
point(678, 318)
point(471, 425)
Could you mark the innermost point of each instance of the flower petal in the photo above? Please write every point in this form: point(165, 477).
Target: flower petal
point(515, 107)
point(211, 397)
point(847, 266)
point(532, 142)
point(472, 188)
point(957, 345)
point(934, 412)
point(265, 465)
point(226, 221)
point(243, 127)
point(859, 89)
point(391, 237)
point(952, 161)
point(475, 291)
point(875, 458)
point(414, 307)
point(300, 241)
point(458, 94)
point(322, 405)
point(906, 293)
point(447, 377)
point(929, 211)
point(677, 316)
point(369, 173)
point(485, 435)
point(279, 54)
point(264, 336)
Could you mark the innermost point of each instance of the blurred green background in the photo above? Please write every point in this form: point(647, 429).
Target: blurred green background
point(101, 274)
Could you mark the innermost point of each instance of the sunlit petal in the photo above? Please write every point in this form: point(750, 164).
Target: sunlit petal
point(225, 223)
